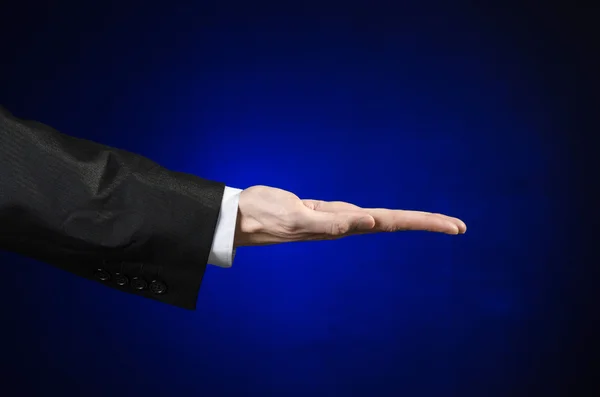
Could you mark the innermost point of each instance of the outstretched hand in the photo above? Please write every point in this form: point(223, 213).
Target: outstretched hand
point(271, 216)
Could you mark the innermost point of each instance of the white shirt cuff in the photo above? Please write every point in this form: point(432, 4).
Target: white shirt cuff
point(222, 252)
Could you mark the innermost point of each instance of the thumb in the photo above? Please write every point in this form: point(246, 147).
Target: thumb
point(339, 223)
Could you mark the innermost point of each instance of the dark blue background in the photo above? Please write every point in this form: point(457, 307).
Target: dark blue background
point(461, 111)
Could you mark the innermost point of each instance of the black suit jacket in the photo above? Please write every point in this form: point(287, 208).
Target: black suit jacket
point(104, 213)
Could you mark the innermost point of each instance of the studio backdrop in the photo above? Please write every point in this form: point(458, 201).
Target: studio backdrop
point(424, 108)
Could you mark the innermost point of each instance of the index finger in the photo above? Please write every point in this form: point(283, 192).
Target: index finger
point(387, 220)
point(400, 220)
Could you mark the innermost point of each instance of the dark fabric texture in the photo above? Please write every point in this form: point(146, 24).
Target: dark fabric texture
point(103, 213)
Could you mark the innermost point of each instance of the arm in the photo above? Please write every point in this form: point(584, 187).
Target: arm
point(119, 218)
point(103, 213)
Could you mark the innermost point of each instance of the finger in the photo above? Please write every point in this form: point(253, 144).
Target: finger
point(399, 220)
point(459, 223)
point(330, 206)
point(337, 223)
point(462, 227)
point(335, 206)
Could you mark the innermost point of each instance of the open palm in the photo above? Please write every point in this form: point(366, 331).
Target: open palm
point(269, 215)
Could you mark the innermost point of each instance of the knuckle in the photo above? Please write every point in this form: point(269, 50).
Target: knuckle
point(391, 228)
point(314, 205)
point(339, 228)
point(317, 205)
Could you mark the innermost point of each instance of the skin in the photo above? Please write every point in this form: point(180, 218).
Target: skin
point(269, 215)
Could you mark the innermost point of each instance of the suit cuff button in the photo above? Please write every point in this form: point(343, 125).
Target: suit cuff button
point(138, 283)
point(158, 287)
point(121, 280)
point(102, 275)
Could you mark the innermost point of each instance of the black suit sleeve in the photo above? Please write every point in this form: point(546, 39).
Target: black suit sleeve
point(104, 213)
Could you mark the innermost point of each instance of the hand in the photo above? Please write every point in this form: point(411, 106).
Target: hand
point(271, 216)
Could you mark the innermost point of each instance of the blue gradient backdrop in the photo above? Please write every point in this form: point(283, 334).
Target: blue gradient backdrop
point(406, 107)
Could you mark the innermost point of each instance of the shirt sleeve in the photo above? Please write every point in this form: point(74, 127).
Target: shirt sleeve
point(222, 251)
